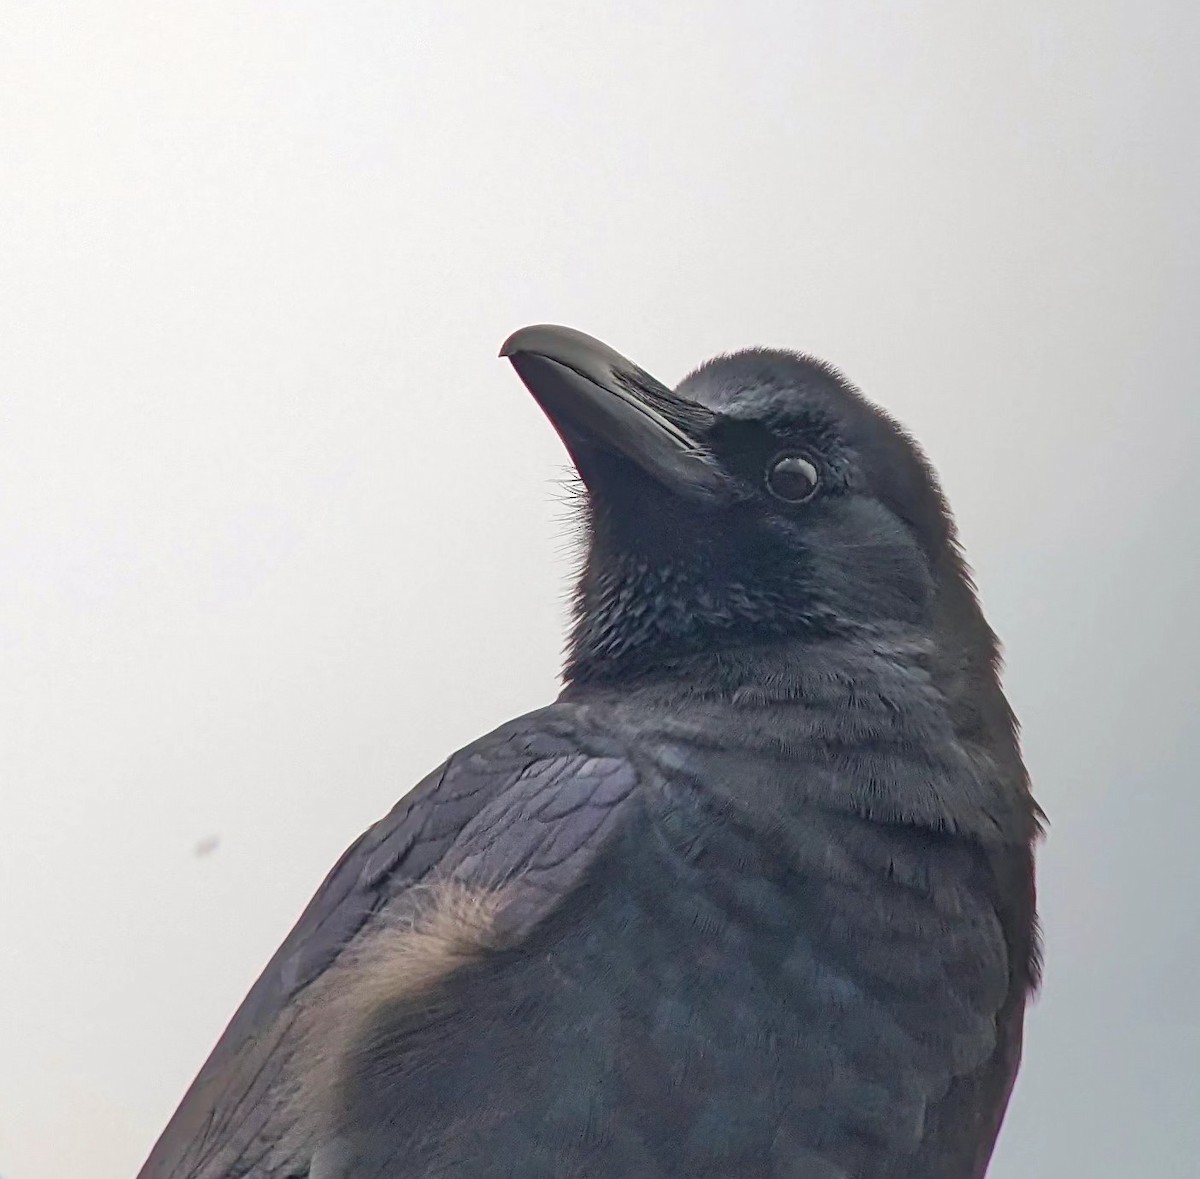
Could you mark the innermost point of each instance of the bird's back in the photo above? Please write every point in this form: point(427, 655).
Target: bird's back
point(741, 974)
point(713, 1014)
point(757, 978)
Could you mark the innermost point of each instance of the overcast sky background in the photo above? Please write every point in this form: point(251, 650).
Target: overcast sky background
point(278, 531)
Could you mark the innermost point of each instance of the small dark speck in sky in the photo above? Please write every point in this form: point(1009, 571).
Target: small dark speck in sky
point(206, 846)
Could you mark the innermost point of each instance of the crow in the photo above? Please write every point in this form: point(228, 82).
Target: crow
point(754, 897)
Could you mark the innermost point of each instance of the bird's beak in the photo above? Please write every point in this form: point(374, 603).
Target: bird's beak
point(595, 398)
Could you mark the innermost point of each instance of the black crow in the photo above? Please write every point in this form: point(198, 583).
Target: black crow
point(754, 897)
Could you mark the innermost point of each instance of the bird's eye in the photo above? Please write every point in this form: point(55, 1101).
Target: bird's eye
point(792, 478)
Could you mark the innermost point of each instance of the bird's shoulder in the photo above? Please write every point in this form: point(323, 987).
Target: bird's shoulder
point(523, 810)
point(532, 798)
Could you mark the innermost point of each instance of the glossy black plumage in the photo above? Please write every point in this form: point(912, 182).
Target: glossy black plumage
point(753, 898)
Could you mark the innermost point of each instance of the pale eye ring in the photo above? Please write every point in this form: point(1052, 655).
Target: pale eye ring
point(792, 478)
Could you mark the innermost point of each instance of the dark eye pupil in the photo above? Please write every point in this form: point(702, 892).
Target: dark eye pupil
point(792, 478)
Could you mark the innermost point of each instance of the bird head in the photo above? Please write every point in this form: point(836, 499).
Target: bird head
point(762, 500)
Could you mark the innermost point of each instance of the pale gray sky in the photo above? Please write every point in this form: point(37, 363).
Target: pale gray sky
point(278, 532)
